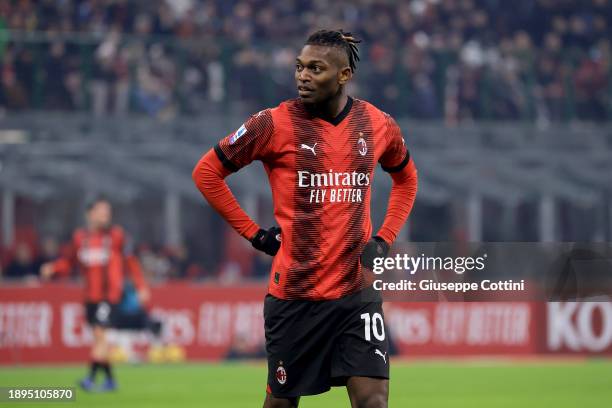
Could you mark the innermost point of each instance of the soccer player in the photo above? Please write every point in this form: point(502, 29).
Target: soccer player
point(324, 322)
point(99, 252)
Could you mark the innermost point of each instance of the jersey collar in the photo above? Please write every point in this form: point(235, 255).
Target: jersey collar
point(338, 119)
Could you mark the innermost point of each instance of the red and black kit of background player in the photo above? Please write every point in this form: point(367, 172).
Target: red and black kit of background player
point(99, 253)
point(324, 323)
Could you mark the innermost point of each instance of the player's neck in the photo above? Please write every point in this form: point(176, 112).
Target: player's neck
point(336, 105)
point(94, 229)
point(331, 108)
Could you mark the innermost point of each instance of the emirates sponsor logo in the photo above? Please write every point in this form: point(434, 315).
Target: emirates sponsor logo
point(94, 256)
point(334, 187)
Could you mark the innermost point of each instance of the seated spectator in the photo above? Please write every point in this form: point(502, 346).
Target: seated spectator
point(49, 249)
point(23, 265)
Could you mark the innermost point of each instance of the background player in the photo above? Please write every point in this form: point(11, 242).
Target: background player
point(99, 252)
point(324, 325)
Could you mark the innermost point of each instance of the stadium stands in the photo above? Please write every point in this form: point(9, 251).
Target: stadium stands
point(540, 61)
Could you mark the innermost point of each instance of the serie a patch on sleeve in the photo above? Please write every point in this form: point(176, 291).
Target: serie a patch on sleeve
point(238, 134)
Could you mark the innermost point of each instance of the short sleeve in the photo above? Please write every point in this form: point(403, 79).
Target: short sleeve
point(249, 142)
point(128, 245)
point(396, 155)
point(118, 238)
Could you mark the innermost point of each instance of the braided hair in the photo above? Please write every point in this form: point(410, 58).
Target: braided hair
point(340, 39)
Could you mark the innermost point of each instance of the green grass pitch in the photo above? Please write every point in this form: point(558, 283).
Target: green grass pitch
point(473, 384)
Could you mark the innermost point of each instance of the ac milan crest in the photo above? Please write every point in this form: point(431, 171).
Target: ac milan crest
point(362, 145)
point(281, 375)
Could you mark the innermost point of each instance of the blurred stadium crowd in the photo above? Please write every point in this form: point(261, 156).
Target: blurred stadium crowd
point(457, 60)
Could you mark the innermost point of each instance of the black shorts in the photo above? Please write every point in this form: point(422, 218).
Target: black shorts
point(101, 314)
point(314, 345)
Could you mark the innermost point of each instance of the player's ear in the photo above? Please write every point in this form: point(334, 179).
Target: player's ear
point(344, 75)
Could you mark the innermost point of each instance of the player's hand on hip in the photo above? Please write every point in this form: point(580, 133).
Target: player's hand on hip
point(267, 241)
point(144, 295)
point(46, 271)
point(375, 248)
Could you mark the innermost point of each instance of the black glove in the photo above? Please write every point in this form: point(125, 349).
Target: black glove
point(267, 241)
point(375, 248)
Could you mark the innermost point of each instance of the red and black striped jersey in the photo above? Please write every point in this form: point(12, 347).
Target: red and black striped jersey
point(102, 258)
point(320, 173)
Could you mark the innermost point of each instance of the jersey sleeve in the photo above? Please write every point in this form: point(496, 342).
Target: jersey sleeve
point(249, 142)
point(67, 262)
point(401, 199)
point(209, 176)
point(118, 238)
point(396, 155)
point(397, 162)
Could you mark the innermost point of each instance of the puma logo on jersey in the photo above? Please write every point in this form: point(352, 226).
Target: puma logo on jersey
point(384, 356)
point(312, 149)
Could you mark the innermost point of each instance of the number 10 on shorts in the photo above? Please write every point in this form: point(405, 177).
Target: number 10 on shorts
point(374, 325)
